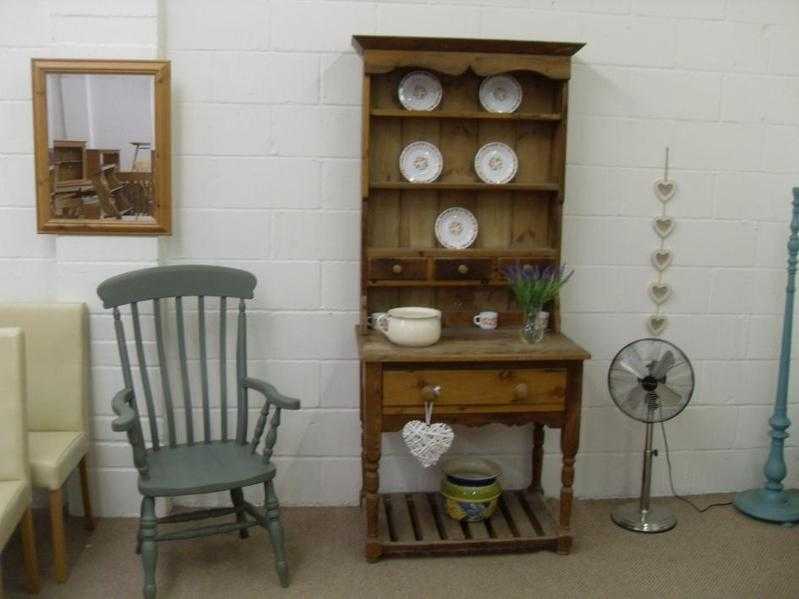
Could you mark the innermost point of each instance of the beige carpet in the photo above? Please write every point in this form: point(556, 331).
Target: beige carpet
point(716, 554)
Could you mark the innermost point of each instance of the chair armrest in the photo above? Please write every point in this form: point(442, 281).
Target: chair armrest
point(126, 416)
point(271, 394)
point(128, 421)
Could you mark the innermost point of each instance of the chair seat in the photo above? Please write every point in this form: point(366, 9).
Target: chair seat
point(53, 455)
point(15, 497)
point(203, 468)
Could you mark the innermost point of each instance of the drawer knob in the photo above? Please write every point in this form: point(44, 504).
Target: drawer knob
point(463, 269)
point(520, 392)
point(431, 392)
point(396, 269)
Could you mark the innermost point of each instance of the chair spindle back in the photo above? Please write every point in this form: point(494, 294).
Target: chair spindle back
point(179, 282)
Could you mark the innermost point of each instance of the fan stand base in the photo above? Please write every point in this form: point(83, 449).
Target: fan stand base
point(655, 519)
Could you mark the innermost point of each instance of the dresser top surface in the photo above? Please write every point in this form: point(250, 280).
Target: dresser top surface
point(450, 44)
point(470, 344)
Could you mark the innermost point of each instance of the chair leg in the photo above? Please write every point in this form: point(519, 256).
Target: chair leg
point(276, 533)
point(138, 533)
point(30, 560)
point(149, 548)
point(58, 535)
point(84, 492)
point(237, 497)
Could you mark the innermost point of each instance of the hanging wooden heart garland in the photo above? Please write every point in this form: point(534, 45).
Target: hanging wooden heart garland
point(659, 290)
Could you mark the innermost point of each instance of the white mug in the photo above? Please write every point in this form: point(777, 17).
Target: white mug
point(411, 326)
point(372, 319)
point(486, 320)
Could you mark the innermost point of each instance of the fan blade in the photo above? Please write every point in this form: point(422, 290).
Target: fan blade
point(668, 397)
point(632, 403)
point(662, 366)
point(622, 364)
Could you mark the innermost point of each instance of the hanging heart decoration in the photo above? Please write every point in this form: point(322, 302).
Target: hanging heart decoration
point(659, 292)
point(657, 323)
point(663, 226)
point(427, 442)
point(665, 190)
point(661, 259)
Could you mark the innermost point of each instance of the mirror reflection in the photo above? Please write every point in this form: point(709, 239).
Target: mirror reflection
point(101, 144)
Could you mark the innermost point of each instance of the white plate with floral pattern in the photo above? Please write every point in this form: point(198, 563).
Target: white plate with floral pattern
point(496, 163)
point(421, 162)
point(420, 90)
point(456, 228)
point(500, 93)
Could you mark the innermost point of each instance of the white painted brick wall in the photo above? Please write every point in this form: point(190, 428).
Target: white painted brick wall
point(266, 126)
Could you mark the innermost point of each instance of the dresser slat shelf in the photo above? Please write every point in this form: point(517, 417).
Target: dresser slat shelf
point(546, 117)
point(417, 523)
point(441, 186)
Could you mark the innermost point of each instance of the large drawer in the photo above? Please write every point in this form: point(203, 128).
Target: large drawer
point(478, 390)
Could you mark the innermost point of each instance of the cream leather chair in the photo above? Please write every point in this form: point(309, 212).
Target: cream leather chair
point(56, 364)
point(15, 485)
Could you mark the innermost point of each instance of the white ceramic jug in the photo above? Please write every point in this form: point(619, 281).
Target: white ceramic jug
point(412, 326)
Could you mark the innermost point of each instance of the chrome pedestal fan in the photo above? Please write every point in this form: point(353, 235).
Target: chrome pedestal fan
point(652, 381)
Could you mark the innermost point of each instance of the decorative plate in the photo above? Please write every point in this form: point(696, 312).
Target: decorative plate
point(420, 90)
point(421, 162)
point(496, 163)
point(500, 93)
point(456, 228)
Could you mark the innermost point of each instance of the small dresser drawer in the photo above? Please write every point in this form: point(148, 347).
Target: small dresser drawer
point(463, 391)
point(398, 269)
point(468, 269)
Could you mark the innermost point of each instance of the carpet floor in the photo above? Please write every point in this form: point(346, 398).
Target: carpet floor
point(718, 554)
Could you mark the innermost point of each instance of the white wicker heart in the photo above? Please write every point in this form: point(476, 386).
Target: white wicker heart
point(427, 442)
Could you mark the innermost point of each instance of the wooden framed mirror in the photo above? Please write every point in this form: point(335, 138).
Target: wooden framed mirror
point(102, 146)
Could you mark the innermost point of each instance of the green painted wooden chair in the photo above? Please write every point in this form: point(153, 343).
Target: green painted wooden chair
point(200, 464)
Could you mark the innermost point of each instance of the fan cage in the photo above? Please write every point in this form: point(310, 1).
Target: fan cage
point(682, 360)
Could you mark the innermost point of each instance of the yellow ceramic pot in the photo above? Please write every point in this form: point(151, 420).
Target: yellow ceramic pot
point(470, 488)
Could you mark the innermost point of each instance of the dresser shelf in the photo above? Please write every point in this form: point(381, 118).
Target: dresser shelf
point(476, 186)
point(547, 117)
point(398, 252)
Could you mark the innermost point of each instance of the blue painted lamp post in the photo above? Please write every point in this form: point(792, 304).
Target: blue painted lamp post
point(772, 502)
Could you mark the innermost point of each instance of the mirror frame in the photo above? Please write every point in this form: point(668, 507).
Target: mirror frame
point(160, 70)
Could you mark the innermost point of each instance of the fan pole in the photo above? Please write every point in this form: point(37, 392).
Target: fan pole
point(642, 516)
point(646, 475)
point(772, 502)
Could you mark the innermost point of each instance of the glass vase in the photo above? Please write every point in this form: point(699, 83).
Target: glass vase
point(535, 326)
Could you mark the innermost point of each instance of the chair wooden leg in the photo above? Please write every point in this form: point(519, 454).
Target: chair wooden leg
point(58, 535)
point(138, 533)
point(276, 533)
point(84, 491)
point(149, 548)
point(30, 560)
point(237, 497)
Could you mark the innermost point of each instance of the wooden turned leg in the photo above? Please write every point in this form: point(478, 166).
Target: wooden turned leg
point(275, 529)
point(30, 560)
point(371, 458)
point(538, 457)
point(149, 548)
point(237, 497)
point(58, 535)
point(569, 443)
point(138, 534)
point(84, 492)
